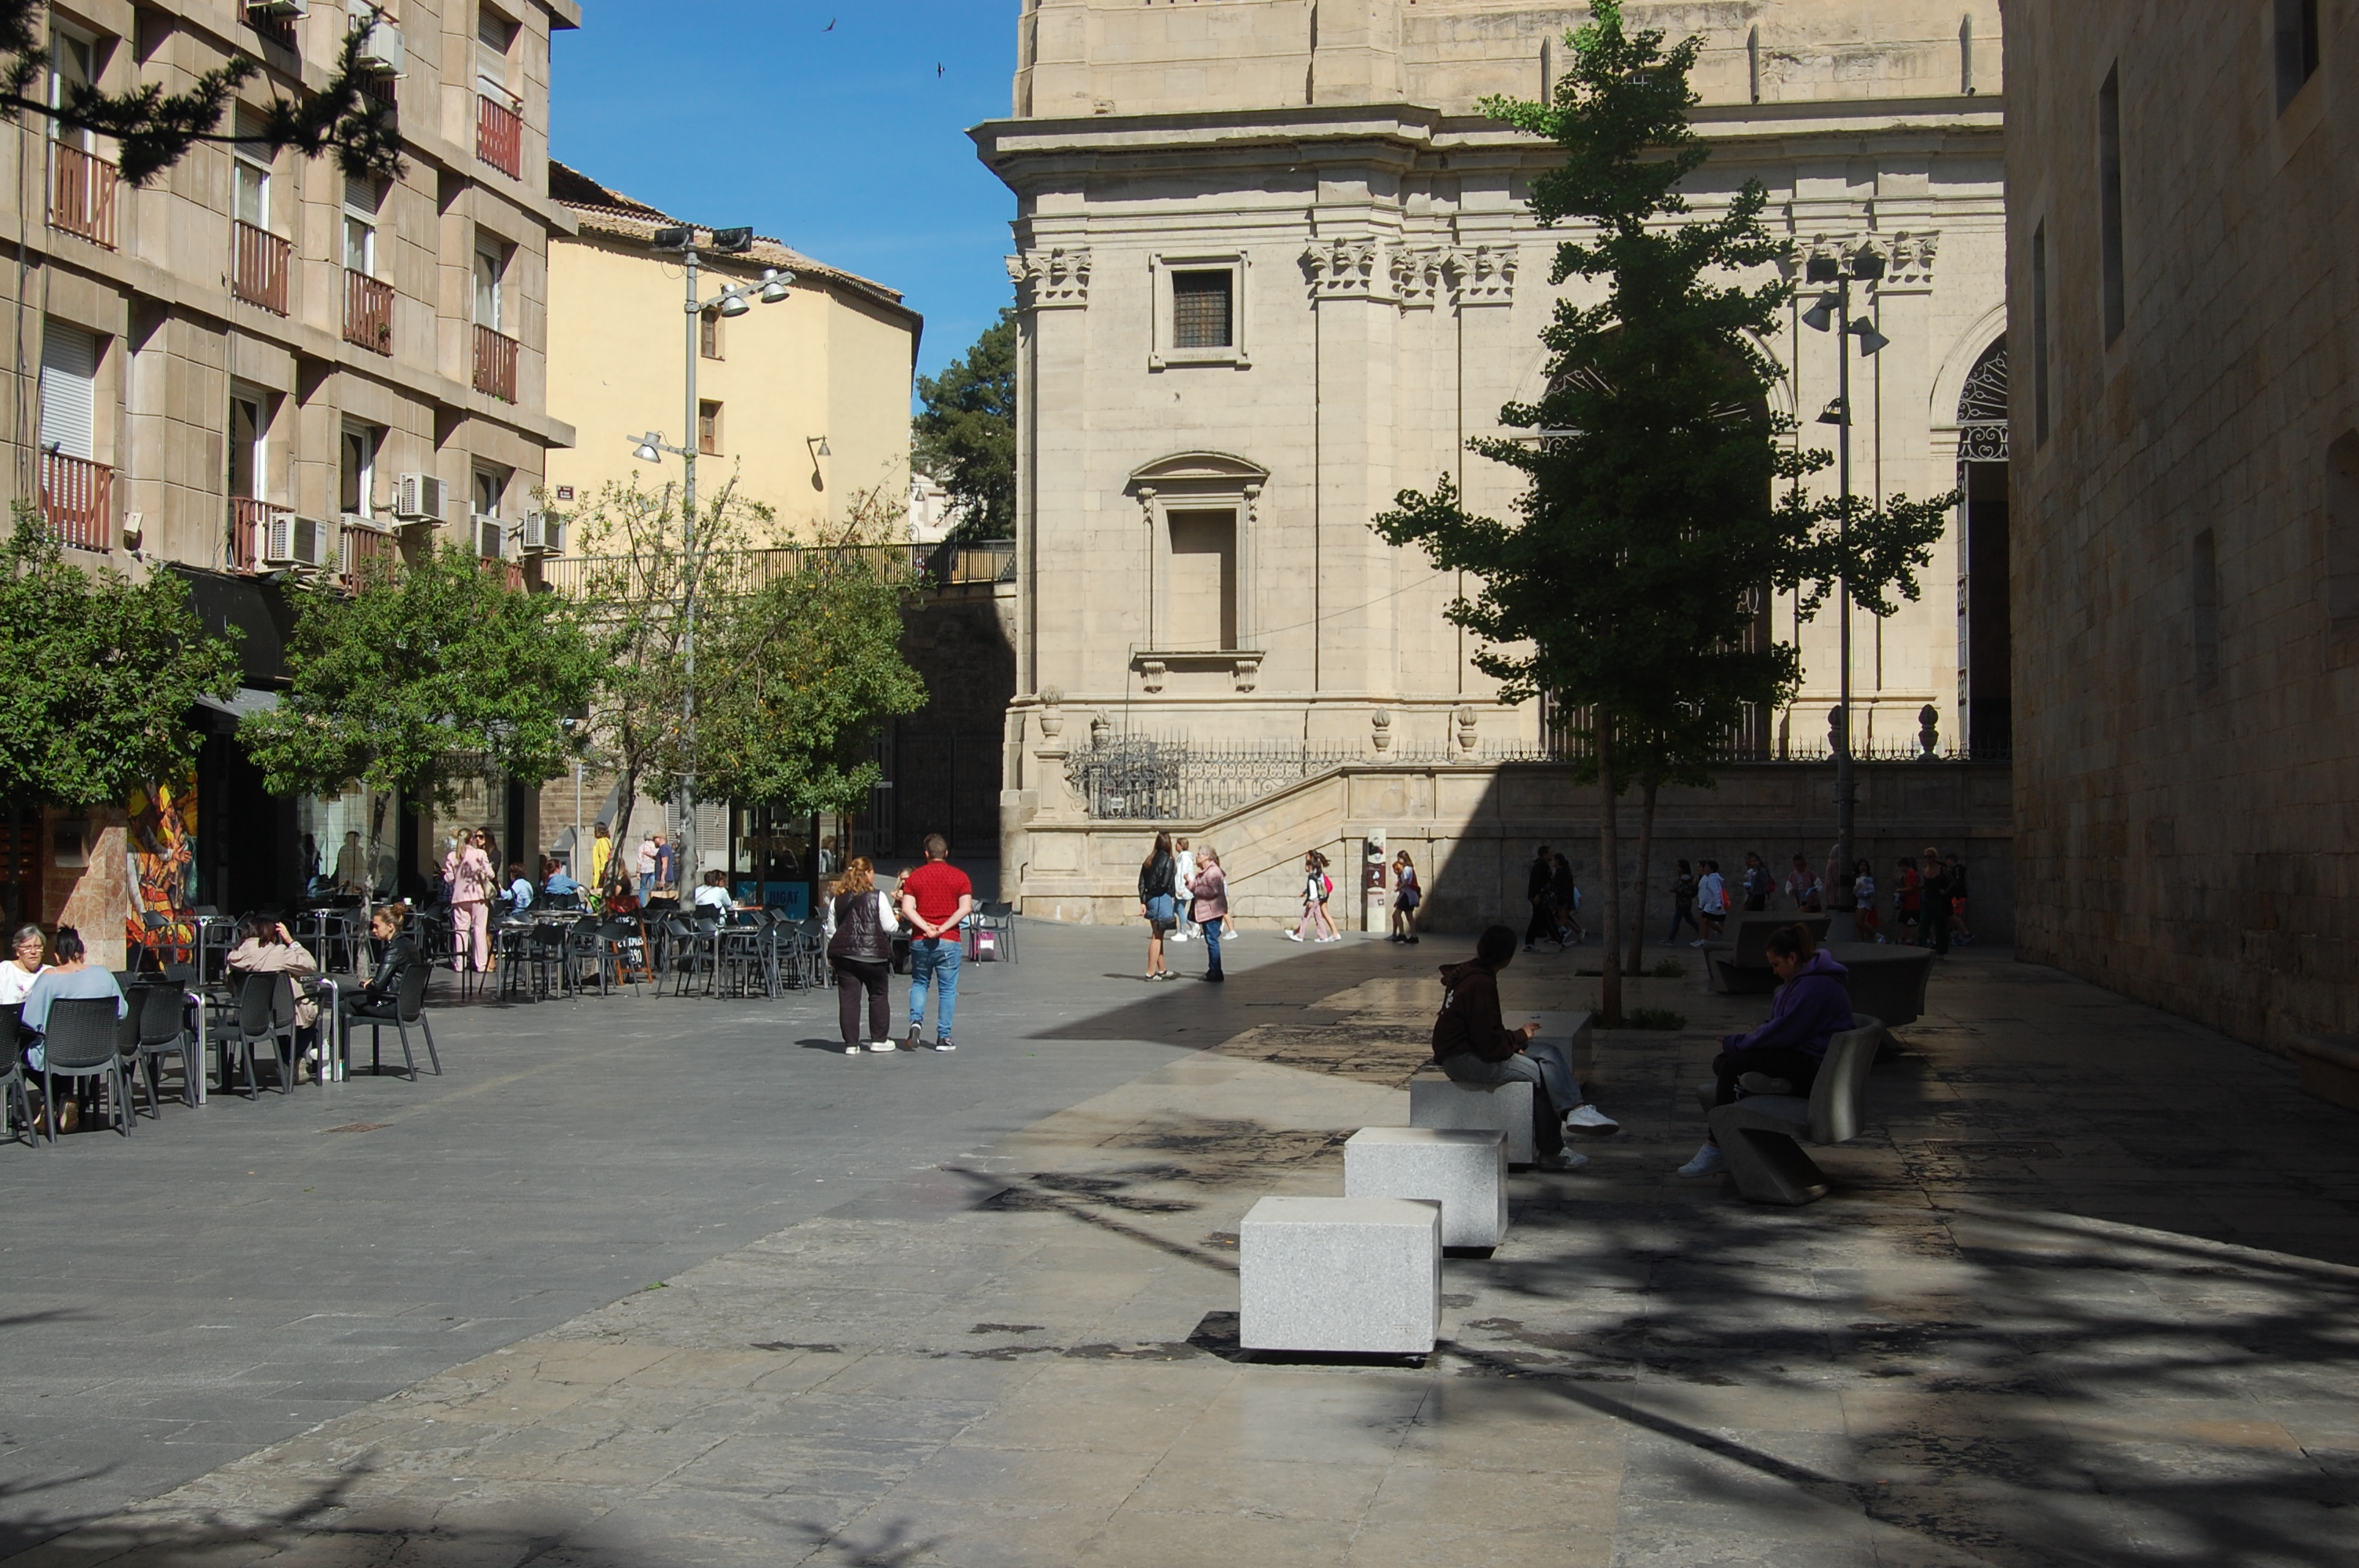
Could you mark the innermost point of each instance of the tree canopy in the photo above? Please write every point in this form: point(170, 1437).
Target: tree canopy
point(430, 673)
point(966, 431)
point(155, 129)
point(97, 675)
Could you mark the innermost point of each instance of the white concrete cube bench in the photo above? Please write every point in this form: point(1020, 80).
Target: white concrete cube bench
point(1341, 1275)
point(1464, 1169)
point(1437, 1099)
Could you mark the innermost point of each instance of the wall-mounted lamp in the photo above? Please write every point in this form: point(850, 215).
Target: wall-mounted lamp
point(818, 444)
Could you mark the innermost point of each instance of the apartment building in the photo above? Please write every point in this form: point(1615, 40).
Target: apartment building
point(258, 367)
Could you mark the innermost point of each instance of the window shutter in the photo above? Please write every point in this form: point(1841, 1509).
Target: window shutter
point(69, 390)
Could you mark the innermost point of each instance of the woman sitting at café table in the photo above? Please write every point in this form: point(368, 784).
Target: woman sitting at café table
point(267, 948)
point(70, 979)
point(380, 999)
point(23, 965)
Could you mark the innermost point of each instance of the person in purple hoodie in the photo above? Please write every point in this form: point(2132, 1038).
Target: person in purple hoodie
point(1782, 1057)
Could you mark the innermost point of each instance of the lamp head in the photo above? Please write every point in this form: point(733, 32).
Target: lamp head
point(1821, 315)
point(734, 305)
point(675, 238)
point(646, 447)
point(1836, 414)
point(1867, 264)
point(818, 445)
point(731, 241)
point(1870, 339)
point(1821, 269)
point(773, 285)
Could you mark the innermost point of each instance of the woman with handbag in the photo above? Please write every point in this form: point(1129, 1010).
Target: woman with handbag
point(1407, 896)
point(1158, 902)
point(860, 953)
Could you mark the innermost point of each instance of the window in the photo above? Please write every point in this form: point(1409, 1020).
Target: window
point(2109, 198)
point(490, 265)
point(1201, 308)
point(2039, 335)
point(73, 62)
point(362, 199)
point(707, 427)
point(2297, 48)
point(251, 197)
point(2343, 532)
point(708, 335)
point(491, 484)
point(2204, 593)
point(247, 429)
point(1203, 597)
point(68, 391)
point(356, 470)
point(493, 35)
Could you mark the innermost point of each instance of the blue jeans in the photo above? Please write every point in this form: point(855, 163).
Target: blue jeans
point(935, 958)
point(1542, 1062)
point(1212, 930)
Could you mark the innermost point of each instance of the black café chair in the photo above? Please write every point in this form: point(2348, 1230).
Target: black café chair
point(266, 1016)
point(998, 916)
point(407, 1007)
point(19, 1103)
point(81, 1044)
point(126, 1045)
point(162, 1012)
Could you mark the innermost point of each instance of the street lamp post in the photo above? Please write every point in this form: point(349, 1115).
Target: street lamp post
point(1864, 265)
point(650, 448)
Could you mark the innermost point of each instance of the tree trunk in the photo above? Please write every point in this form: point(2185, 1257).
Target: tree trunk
point(622, 825)
point(1609, 854)
point(1645, 850)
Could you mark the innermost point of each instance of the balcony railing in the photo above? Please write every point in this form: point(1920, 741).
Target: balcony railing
point(82, 194)
point(362, 547)
point(249, 526)
point(258, 267)
point(78, 501)
point(495, 364)
point(499, 137)
point(368, 311)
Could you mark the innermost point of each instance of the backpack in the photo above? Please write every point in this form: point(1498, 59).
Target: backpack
point(1326, 884)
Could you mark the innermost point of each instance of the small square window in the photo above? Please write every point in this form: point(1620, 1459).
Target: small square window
point(1203, 309)
point(708, 335)
point(708, 429)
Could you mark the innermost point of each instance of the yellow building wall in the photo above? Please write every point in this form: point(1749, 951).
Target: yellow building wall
point(825, 363)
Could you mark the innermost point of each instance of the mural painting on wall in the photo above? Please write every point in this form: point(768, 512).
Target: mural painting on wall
point(161, 844)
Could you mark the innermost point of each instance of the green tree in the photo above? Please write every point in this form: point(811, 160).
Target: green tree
point(815, 665)
point(966, 431)
point(432, 672)
point(1661, 492)
point(155, 129)
point(97, 676)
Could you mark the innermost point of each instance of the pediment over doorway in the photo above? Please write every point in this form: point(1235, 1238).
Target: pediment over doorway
point(1198, 467)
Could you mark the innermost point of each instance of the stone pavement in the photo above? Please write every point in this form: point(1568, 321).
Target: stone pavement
point(2084, 1295)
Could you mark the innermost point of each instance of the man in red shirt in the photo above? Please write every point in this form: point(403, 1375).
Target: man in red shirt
point(935, 898)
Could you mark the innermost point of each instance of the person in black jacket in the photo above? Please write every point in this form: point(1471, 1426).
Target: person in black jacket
point(1540, 890)
point(860, 953)
point(1473, 1046)
point(380, 999)
point(1158, 902)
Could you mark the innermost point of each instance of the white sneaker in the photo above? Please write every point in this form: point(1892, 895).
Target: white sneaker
point(1763, 1084)
point(1564, 1161)
point(1294, 936)
point(1179, 936)
point(1697, 943)
point(882, 1045)
point(1708, 1162)
point(851, 1050)
point(1587, 1118)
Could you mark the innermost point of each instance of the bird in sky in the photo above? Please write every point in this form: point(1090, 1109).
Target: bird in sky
point(831, 26)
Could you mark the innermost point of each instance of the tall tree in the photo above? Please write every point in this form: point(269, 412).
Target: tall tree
point(97, 676)
point(966, 431)
point(1653, 508)
point(155, 129)
point(431, 673)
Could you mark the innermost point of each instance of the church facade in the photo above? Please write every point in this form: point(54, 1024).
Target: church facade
point(1274, 266)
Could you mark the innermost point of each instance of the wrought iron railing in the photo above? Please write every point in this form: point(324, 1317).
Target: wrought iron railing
point(258, 266)
point(368, 311)
point(495, 364)
point(82, 194)
point(78, 501)
point(728, 573)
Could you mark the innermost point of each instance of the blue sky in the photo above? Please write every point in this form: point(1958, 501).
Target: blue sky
point(849, 144)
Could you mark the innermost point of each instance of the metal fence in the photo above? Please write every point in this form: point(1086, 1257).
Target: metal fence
point(727, 573)
point(1149, 778)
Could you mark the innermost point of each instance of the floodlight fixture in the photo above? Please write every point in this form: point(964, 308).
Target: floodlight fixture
point(1821, 315)
point(1836, 413)
point(1821, 269)
point(647, 449)
point(1870, 339)
point(729, 242)
point(734, 305)
point(678, 237)
point(1866, 264)
point(818, 445)
point(773, 285)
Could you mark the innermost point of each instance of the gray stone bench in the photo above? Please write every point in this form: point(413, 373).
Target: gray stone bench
point(1345, 1276)
point(1757, 1133)
point(2330, 1066)
point(1885, 980)
point(1740, 964)
point(1436, 1100)
point(1464, 1169)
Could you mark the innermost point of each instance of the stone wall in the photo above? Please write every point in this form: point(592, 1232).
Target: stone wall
point(2186, 497)
point(1470, 828)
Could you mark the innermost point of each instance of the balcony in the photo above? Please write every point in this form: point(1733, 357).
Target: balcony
point(258, 267)
point(82, 194)
point(495, 364)
point(369, 312)
point(499, 137)
point(366, 552)
point(78, 501)
point(249, 528)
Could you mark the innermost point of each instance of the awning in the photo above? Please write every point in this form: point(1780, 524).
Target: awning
point(257, 607)
point(245, 705)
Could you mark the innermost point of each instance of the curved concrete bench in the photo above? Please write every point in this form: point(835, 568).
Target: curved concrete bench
point(1885, 980)
point(1740, 964)
point(1757, 1133)
point(2330, 1066)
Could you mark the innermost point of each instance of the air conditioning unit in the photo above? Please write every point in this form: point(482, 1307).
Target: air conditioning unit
point(291, 541)
point(544, 534)
point(382, 50)
point(420, 498)
point(278, 10)
point(491, 537)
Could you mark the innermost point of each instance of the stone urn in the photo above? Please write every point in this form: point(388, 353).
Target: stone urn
point(1380, 726)
point(1466, 720)
point(1052, 713)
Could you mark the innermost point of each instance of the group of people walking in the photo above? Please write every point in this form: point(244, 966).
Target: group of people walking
point(932, 906)
point(1929, 898)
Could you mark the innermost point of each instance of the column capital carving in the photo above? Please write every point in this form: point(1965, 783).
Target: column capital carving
point(1907, 253)
point(1482, 275)
point(1052, 280)
point(1345, 268)
point(1419, 277)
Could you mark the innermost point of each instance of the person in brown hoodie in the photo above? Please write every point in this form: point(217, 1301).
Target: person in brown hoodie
point(1473, 1046)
